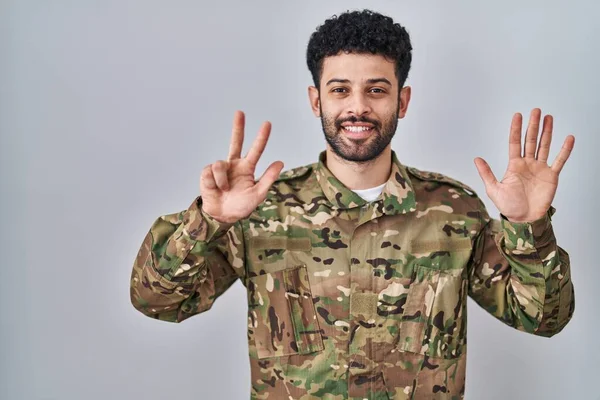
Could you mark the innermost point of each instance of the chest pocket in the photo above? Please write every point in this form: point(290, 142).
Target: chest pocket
point(281, 313)
point(434, 318)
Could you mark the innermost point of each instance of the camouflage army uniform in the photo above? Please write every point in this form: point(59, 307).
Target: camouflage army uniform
point(355, 300)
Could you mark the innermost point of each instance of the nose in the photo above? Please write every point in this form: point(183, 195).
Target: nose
point(359, 105)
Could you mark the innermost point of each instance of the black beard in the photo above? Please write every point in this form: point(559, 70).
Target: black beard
point(380, 139)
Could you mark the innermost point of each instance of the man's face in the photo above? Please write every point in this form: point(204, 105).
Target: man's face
point(358, 104)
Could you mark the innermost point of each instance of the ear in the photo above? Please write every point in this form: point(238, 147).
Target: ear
point(404, 100)
point(313, 97)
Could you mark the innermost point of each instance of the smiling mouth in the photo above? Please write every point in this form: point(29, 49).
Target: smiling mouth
point(357, 132)
point(352, 128)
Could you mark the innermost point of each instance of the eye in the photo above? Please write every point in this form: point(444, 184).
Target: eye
point(338, 90)
point(378, 90)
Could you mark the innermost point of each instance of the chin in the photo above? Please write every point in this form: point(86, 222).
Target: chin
point(357, 156)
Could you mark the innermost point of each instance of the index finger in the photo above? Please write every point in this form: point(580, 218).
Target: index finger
point(258, 146)
point(237, 136)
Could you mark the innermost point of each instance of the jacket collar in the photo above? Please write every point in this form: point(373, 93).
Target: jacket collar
point(397, 197)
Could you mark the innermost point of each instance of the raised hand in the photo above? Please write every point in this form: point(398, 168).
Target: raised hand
point(529, 184)
point(229, 191)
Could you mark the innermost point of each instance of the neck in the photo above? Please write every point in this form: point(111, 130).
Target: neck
point(364, 175)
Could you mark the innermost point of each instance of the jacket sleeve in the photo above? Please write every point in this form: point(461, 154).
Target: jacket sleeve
point(520, 275)
point(186, 261)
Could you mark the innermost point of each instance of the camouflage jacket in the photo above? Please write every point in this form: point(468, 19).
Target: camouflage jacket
point(349, 299)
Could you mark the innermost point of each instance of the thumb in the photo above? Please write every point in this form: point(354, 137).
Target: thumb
point(485, 172)
point(268, 178)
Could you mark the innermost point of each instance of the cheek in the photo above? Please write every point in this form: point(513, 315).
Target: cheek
point(332, 108)
point(329, 118)
point(389, 115)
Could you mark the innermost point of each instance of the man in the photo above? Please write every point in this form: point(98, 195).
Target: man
point(358, 267)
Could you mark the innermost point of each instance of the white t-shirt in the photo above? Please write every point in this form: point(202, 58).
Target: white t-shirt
point(371, 193)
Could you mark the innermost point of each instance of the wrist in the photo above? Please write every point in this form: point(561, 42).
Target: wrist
point(219, 219)
point(525, 219)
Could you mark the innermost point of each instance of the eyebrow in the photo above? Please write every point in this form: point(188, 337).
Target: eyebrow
point(370, 81)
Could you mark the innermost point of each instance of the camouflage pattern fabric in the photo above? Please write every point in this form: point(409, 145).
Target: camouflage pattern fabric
point(349, 299)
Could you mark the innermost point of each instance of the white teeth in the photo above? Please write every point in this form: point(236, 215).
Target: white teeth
point(356, 128)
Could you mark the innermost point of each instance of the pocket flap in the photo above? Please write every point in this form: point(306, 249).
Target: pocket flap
point(281, 242)
point(449, 244)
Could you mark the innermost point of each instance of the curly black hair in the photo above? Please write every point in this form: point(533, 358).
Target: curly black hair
point(359, 32)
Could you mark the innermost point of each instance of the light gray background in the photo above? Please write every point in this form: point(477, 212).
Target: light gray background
point(110, 109)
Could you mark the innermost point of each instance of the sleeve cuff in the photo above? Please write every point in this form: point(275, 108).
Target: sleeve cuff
point(198, 225)
point(521, 236)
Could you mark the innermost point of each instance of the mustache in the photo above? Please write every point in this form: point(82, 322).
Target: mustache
point(339, 122)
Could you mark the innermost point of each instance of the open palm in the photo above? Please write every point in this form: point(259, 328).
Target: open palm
point(528, 186)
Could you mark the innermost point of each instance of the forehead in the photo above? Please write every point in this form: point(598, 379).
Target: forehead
point(357, 68)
